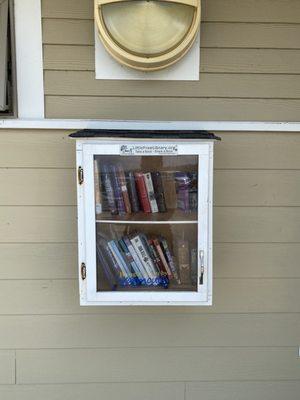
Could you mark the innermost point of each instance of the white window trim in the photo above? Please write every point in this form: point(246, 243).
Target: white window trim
point(29, 59)
point(74, 124)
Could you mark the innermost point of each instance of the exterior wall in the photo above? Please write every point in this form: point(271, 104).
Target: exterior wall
point(250, 67)
point(244, 347)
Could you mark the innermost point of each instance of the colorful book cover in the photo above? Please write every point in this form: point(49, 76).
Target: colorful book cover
point(117, 190)
point(170, 259)
point(134, 268)
point(159, 191)
point(150, 192)
point(133, 196)
point(122, 182)
point(142, 192)
point(110, 194)
point(158, 263)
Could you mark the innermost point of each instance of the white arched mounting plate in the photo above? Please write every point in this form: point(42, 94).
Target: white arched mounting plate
point(187, 68)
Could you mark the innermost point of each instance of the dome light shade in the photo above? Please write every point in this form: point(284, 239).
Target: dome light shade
point(147, 35)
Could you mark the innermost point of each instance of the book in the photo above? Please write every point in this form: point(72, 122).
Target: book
point(97, 186)
point(168, 182)
point(162, 257)
point(122, 182)
point(182, 190)
point(159, 191)
point(121, 262)
point(146, 280)
point(142, 192)
point(159, 264)
point(133, 196)
point(150, 192)
point(134, 268)
point(145, 258)
point(117, 190)
point(110, 276)
point(110, 195)
point(170, 259)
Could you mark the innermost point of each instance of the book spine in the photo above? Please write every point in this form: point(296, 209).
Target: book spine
point(133, 193)
point(146, 279)
point(121, 262)
point(145, 258)
point(97, 185)
point(159, 265)
point(117, 190)
point(136, 272)
point(142, 192)
point(150, 192)
point(109, 190)
point(170, 259)
point(159, 191)
point(122, 183)
point(162, 257)
point(106, 269)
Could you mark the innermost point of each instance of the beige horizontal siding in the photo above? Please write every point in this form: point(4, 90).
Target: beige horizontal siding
point(138, 330)
point(230, 296)
point(7, 367)
point(108, 391)
point(189, 364)
point(58, 224)
point(278, 36)
point(213, 10)
point(253, 61)
point(165, 109)
point(243, 390)
point(83, 83)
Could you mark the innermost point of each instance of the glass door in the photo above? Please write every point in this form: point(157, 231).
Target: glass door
point(146, 223)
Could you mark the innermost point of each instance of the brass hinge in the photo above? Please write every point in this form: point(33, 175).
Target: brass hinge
point(80, 175)
point(83, 271)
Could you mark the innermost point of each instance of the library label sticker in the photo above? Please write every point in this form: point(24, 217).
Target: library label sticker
point(139, 150)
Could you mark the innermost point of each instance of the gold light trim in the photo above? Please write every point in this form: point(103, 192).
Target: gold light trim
point(147, 35)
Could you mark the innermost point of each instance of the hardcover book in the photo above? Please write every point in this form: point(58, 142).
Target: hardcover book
point(162, 257)
point(159, 191)
point(133, 196)
point(170, 259)
point(150, 192)
point(122, 182)
point(142, 192)
point(110, 195)
point(117, 190)
point(146, 277)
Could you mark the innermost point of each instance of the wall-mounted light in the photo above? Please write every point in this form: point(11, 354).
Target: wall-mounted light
point(147, 35)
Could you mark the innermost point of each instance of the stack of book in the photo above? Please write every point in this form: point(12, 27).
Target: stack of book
point(137, 260)
point(148, 192)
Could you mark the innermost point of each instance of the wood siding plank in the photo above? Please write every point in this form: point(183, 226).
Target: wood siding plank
point(243, 390)
point(109, 391)
point(272, 61)
point(83, 83)
point(62, 297)
point(213, 10)
point(7, 367)
point(230, 35)
point(140, 365)
point(39, 261)
point(167, 108)
point(90, 331)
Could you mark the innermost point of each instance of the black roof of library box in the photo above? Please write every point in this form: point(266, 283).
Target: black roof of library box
point(144, 134)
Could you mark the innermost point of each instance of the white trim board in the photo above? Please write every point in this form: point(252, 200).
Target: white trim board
point(29, 58)
point(74, 124)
